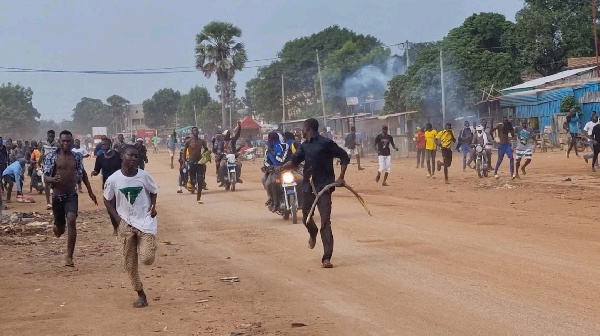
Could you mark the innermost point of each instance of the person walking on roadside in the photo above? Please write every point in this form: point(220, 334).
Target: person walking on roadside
point(84, 153)
point(430, 149)
point(573, 123)
point(142, 153)
point(130, 198)
point(49, 147)
point(61, 169)
point(445, 139)
point(318, 152)
point(465, 138)
point(353, 146)
point(382, 145)
point(504, 146)
point(420, 144)
point(588, 128)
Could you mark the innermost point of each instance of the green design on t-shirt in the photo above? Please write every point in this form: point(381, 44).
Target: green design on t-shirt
point(131, 193)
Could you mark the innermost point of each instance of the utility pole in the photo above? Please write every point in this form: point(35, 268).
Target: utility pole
point(594, 8)
point(443, 89)
point(283, 102)
point(229, 100)
point(407, 54)
point(195, 117)
point(322, 89)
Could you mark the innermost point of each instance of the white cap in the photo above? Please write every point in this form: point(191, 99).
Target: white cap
point(139, 139)
point(479, 128)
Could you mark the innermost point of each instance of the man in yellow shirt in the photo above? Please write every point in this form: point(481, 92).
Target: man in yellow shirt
point(445, 139)
point(430, 148)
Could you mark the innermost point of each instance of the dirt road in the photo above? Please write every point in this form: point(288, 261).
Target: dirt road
point(473, 257)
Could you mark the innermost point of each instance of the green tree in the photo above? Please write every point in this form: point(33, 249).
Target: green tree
point(160, 110)
point(475, 58)
point(210, 118)
point(195, 100)
point(17, 114)
point(219, 53)
point(297, 62)
point(91, 112)
point(118, 107)
point(547, 32)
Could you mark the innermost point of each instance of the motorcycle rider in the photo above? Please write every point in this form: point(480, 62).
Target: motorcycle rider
point(277, 155)
point(228, 146)
point(482, 138)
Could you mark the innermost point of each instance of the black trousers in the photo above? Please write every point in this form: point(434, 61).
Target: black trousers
point(197, 174)
point(324, 206)
point(596, 152)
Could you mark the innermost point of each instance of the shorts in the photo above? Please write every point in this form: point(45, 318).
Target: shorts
point(61, 206)
point(447, 155)
point(527, 153)
point(385, 163)
point(171, 153)
point(352, 152)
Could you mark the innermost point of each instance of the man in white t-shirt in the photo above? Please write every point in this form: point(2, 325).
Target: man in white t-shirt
point(130, 198)
point(589, 126)
point(84, 153)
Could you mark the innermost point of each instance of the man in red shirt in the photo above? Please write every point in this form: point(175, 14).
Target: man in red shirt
point(420, 141)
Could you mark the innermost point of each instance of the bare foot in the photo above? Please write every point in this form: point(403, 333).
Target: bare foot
point(69, 262)
point(57, 234)
point(523, 171)
point(141, 302)
point(115, 233)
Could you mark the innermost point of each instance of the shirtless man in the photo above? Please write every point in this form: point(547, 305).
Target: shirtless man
point(61, 169)
point(504, 146)
point(196, 169)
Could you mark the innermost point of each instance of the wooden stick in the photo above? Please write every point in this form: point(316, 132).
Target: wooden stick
point(329, 186)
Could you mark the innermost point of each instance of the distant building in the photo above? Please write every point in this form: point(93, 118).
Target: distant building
point(134, 118)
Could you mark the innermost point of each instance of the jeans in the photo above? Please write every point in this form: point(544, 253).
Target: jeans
point(505, 149)
point(324, 206)
point(421, 157)
point(465, 148)
point(590, 155)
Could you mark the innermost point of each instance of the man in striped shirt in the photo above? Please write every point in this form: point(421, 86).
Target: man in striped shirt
point(48, 148)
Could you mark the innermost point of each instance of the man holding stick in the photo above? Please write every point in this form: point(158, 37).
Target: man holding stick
point(318, 152)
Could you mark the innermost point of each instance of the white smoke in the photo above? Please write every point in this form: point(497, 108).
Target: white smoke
point(373, 79)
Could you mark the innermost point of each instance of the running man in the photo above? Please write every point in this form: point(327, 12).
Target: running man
point(353, 146)
point(130, 198)
point(525, 144)
point(382, 145)
point(196, 169)
point(596, 137)
point(61, 169)
point(84, 153)
point(504, 147)
point(142, 152)
point(445, 139)
point(465, 138)
point(430, 148)
point(588, 128)
point(108, 163)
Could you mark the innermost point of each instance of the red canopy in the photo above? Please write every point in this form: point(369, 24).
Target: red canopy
point(249, 123)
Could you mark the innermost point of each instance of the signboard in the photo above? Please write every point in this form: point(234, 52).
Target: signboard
point(99, 131)
point(350, 101)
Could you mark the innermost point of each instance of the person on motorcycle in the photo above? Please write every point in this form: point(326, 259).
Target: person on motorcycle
point(277, 155)
point(228, 146)
point(481, 138)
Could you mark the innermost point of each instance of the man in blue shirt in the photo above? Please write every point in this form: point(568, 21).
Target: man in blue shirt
point(573, 121)
point(13, 175)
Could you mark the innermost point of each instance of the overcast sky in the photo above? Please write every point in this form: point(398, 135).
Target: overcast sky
point(133, 34)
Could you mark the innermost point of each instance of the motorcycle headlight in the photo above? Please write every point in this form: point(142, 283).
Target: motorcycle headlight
point(288, 177)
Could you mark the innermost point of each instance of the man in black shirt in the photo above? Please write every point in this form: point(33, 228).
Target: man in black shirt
point(108, 163)
point(382, 145)
point(596, 139)
point(317, 153)
point(353, 146)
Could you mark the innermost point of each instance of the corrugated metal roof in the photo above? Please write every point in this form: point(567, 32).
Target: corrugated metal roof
point(541, 81)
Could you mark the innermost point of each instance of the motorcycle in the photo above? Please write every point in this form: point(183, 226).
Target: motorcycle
point(288, 202)
point(248, 154)
point(481, 164)
point(37, 181)
point(230, 178)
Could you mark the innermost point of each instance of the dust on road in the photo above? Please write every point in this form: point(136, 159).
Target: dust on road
point(478, 256)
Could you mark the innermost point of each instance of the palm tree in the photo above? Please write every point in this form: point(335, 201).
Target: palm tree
point(219, 53)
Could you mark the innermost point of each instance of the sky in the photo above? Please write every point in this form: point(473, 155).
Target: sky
point(135, 34)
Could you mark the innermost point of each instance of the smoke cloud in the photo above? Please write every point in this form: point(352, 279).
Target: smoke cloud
point(372, 80)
